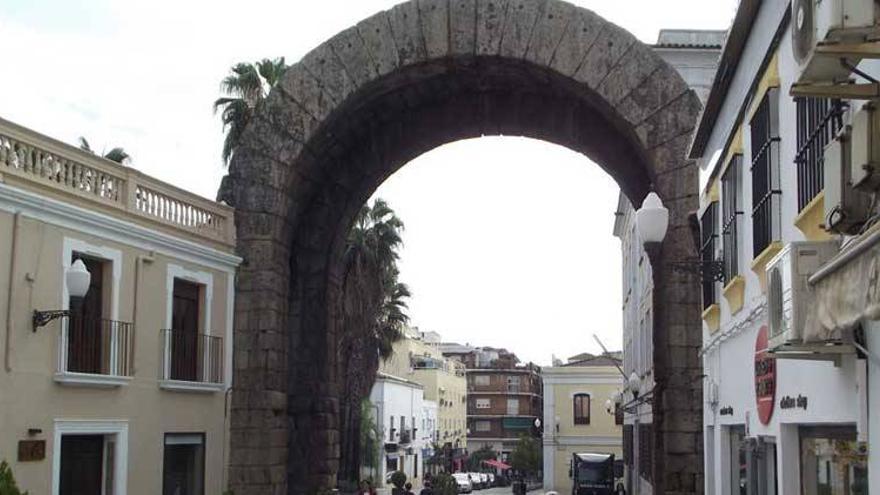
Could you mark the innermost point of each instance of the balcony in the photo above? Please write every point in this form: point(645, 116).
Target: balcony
point(95, 352)
point(191, 361)
point(34, 162)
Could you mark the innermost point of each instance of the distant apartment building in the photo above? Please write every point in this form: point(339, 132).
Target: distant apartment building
point(441, 423)
point(575, 418)
point(694, 54)
point(115, 381)
point(504, 397)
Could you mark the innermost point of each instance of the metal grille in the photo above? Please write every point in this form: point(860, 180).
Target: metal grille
point(765, 171)
point(191, 356)
point(98, 346)
point(709, 232)
point(818, 122)
point(730, 212)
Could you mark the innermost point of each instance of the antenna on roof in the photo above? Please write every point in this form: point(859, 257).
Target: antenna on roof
point(606, 353)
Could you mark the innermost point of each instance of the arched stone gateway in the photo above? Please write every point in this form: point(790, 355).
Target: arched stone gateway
point(375, 96)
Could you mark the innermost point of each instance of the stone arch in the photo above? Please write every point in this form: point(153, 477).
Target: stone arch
point(364, 103)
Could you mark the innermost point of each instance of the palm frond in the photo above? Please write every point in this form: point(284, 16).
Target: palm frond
point(117, 155)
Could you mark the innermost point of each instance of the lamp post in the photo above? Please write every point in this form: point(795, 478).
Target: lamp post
point(77, 279)
point(652, 222)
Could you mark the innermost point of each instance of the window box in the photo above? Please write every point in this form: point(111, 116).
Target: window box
point(759, 264)
point(712, 317)
point(811, 218)
point(734, 292)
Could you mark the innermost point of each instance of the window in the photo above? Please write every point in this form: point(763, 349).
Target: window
point(483, 403)
point(832, 462)
point(765, 172)
point(731, 183)
point(513, 407)
point(628, 445)
point(183, 471)
point(646, 451)
point(581, 409)
point(483, 426)
point(708, 232)
point(818, 122)
point(185, 331)
point(87, 344)
point(513, 384)
point(481, 380)
point(391, 429)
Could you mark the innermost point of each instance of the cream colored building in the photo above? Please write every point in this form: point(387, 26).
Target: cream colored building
point(443, 380)
point(575, 417)
point(128, 392)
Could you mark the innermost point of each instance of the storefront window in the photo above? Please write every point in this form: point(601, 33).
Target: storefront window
point(832, 462)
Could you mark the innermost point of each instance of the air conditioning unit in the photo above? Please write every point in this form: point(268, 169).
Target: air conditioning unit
point(865, 149)
point(788, 292)
point(846, 208)
point(825, 22)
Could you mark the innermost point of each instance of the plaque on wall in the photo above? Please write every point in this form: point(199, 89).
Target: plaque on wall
point(31, 450)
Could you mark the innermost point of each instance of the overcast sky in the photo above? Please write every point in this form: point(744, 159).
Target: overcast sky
point(508, 241)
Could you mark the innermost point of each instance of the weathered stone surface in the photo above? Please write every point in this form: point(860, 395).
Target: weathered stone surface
point(611, 45)
point(379, 41)
point(490, 25)
point(434, 15)
point(549, 30)
point(373, 97)
point(462, 26)
point(581, 33)
point(518, 24)
point(407, 30)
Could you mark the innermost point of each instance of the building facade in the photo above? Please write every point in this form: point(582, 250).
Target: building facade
point(124, 391)
point(575, 418)
point(504, 398)
point(400, 413)
point(444, 391)
point(694, 54)
point(787, 224)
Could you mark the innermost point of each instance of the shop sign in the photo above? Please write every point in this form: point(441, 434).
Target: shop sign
point(31, 450)
point(726, 411)
point(789, 402)
point(765, 378)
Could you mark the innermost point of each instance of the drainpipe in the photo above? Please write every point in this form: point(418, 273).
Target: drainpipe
point(138, 270)
point(9, 320)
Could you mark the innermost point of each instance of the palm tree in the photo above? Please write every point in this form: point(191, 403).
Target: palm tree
point(373, 317)
point(246, 86)
point(117, 154)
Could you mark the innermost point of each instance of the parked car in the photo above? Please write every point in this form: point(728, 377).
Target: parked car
point(491, 479)
point(484, 478)
point(464, 482)
point(476, 481)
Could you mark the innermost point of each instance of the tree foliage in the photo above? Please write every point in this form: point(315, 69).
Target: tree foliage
point(398, 479)
point(444, 484)
point(116, 154)
point(527, 456)
point(373, 303)
point(245, 88)
point(7, 481)
point(475, 460)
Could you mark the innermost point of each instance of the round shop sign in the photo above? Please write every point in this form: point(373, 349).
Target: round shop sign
point(765, 378)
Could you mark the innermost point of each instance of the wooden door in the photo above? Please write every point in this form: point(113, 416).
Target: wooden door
point(185, 331)
point(82, 462)
point(85, 339)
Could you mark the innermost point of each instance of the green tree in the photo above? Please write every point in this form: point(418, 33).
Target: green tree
point(7, 481)
point(475, 460)
point(244, 88)
point(373, 316)
point(117, 154)
point(444, 484)
point(526, 456)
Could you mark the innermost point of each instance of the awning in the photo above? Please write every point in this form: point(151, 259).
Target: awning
point(496, 464)
point(517, 423)
point(845, 292)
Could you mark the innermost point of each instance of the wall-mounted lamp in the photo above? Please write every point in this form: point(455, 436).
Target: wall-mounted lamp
point(652, 222)
point(77, 278)
point(634, 383)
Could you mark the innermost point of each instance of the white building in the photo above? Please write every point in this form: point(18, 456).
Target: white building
point(400, 411)
point(787, 406)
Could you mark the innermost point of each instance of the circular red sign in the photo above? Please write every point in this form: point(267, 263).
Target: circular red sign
point(765, 378)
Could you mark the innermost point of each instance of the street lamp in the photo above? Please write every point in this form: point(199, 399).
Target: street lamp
point(77, 279)
point(634, 383)
point(652, 222)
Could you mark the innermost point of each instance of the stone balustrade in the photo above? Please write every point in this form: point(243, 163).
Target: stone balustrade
point(32, 160)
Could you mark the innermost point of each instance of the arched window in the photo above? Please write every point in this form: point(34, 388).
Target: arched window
point(581, 409)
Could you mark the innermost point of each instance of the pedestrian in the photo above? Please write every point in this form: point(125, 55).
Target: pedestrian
point(366, 488)
point(408, 487)
point(426, 490)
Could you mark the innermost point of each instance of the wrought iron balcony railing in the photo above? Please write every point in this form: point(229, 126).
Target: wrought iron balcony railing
point(96, 346)
point(191, 357)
